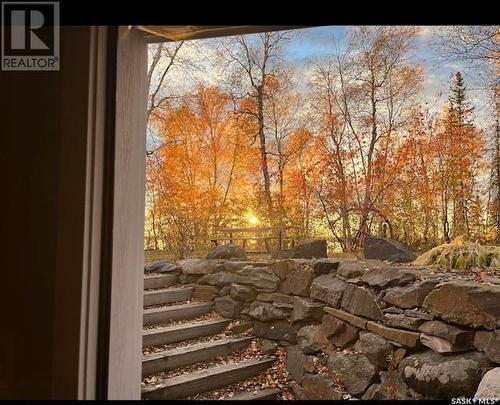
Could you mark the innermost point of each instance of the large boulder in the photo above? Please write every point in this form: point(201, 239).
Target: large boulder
point(308, 250)
point(311, 339)
point(387, 249)
point(161, 266)
point(353, 370)
point(227, 307)
point(265, 311)
point(260, 278)
point(298, 280)
point(489, 387)
point(411, 296)
point(444, 376)
point(388, 277)
point(228, 251)
point(199, 266)
point(361, 301)
point(219, 279)
point(375, 348)
point(276, 330)
point(329, 289)
point(319, 387)
point(465, 303)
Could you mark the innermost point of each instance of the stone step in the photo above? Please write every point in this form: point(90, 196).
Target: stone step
point(181, 332)
point(176, 312)
point(160, 281)
point(167, 295)
point(211, 378)
point(184, 356)
point(268, 393)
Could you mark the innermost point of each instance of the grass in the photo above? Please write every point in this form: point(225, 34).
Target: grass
point(461, 255)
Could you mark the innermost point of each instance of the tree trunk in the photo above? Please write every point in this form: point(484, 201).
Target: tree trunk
point(263, 153)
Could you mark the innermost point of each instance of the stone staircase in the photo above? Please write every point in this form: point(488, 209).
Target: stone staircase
point(175, 338)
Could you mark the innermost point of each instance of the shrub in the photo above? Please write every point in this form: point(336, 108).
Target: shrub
point(461, 255)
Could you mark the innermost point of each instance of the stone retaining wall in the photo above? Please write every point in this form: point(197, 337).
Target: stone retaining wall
point(363, 329)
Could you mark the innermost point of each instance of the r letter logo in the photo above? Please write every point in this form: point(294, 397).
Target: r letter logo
point(30, 36)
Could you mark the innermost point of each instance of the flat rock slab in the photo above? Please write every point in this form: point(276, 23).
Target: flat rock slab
point(465, 303)
point(403, 337)
point(348, 317)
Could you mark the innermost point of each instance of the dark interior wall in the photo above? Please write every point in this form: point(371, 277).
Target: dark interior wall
point(42, 188)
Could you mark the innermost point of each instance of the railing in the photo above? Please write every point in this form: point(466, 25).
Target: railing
point(265, 234)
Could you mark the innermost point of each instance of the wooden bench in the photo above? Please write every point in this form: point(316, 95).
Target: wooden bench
point(266, 234)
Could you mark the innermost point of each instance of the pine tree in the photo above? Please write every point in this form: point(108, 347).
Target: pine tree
point(460, 108)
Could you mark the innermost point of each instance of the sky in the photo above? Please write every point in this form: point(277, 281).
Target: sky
point(316, 44)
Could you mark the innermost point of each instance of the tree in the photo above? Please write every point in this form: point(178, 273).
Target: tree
point(255, 59)
point(479, 45)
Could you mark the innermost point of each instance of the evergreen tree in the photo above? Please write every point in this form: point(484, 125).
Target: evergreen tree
point(460, 109)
